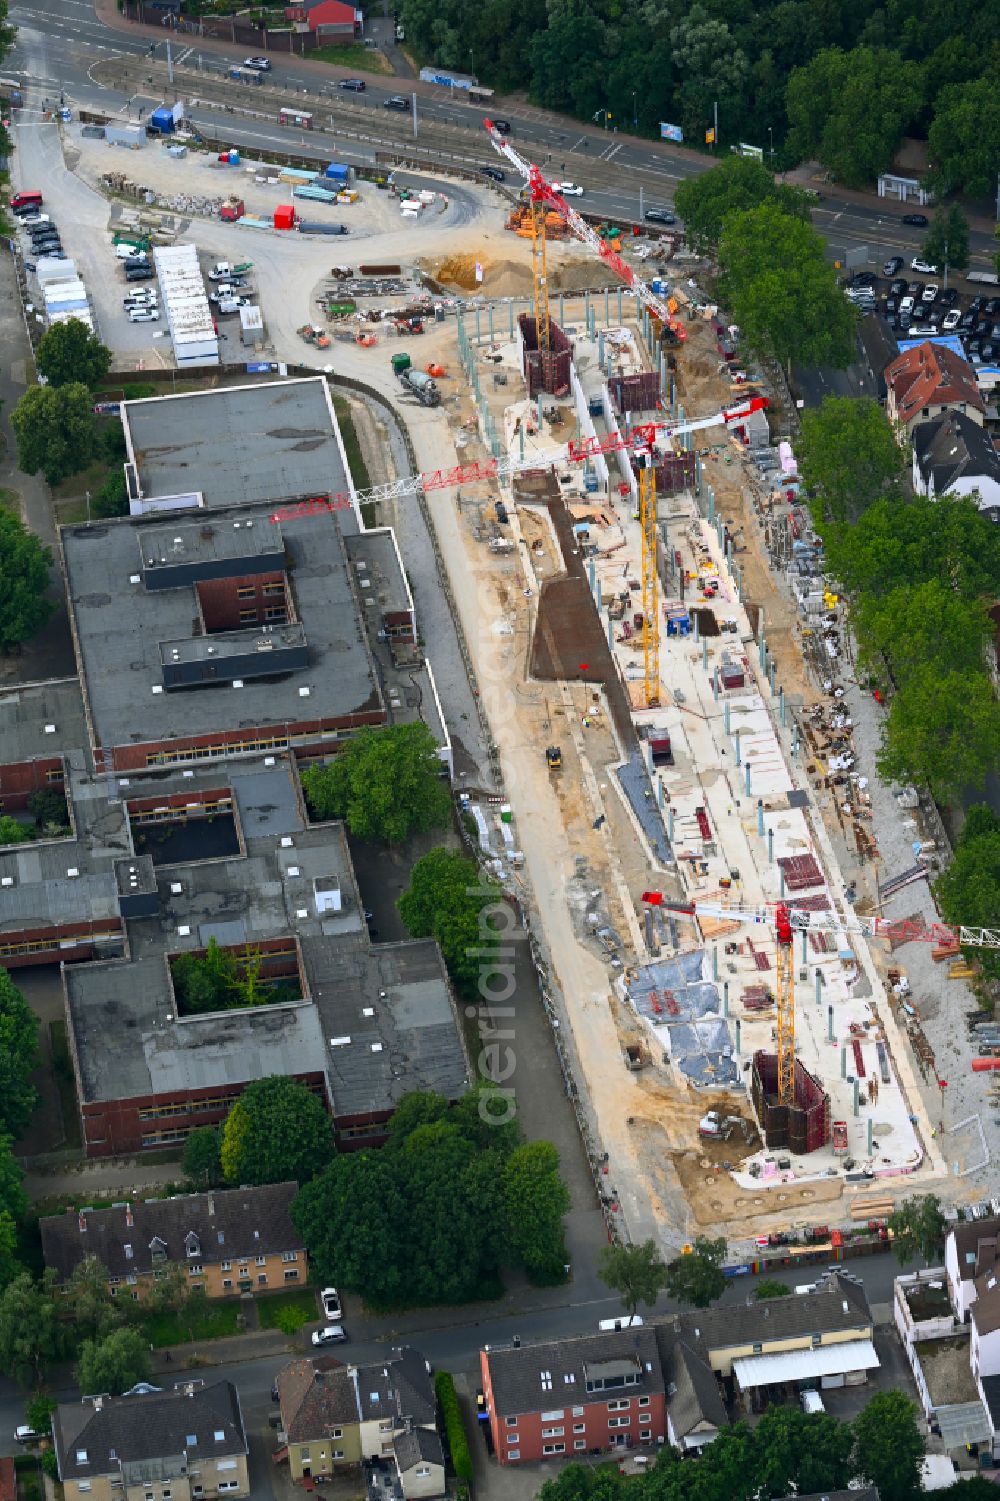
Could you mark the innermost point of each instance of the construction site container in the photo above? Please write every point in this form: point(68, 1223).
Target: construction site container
point(338, 172)
point(297, 174)
point(284, 216)
point(318, 227)
point(48, 269)
point(185, 305)
point(317, 195)
point(300, 118)
point(132, 136)
point(251, 325)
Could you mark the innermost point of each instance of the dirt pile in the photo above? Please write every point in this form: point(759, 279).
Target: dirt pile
point(503, 277)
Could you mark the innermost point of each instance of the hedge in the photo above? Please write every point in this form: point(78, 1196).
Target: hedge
point(458, 1445)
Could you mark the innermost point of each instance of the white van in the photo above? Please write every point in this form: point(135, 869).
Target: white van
point(805, 1287)
point(607, 1326)
point(811, 1402)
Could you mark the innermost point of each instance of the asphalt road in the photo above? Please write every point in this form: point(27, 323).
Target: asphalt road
point(60, 41)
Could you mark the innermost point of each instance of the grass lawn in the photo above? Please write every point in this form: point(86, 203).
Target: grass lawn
point(213, 1320)
point(288, 1311)
point(10, 501)
point(352, 448)
point(62, 1067)
point(354, 55)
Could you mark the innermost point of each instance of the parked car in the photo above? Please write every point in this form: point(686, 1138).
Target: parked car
point(920, 220)
point(332, 1334)
point(139, 273)
point(924, 267)
point(330, 1298)
point(967, 320)
point(990, 349)
point(898, 287)
point(892, 265)
point(355, 85)
point(503, 126)
point(906, 306)
point(261, 64)
point(568, 189)
point(494, 173)
point(141, 297)
point(144, 314)
point(864, 279)
point(952, 319)
point(935, 317)
point(991, 306)
point(929, 294)
point(395, 101)
point(659, 216)
point(25, 1434)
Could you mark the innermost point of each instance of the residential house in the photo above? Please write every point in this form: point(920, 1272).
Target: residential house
point(953, 455)
point(228, 1242)
point(824, 1336)
point(939, 1349)
point(335, 1414)
point(926, 381)
point(969, 1252)
point(595, 1392)
point(188, 1444)
point(695, 1409)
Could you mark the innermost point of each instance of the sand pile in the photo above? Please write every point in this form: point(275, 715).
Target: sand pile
point(503, 277)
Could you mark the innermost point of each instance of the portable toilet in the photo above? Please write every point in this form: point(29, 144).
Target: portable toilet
point(284, 216)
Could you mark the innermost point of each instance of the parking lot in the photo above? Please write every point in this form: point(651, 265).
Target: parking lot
point(913, 299)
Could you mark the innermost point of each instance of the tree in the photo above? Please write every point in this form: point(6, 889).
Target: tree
point(275, 1133)
point(12, 832)
point(69, 353)
point(24, 568)
point(449, 899)
point(711, 67)
point(782, 291)
point(736, 184)
point(88, 1296)
point(112, 498)
point(535, 1200)
point(888, 1447)
point(48, 808)
point(386, 784)
point(29, 1330)
point(921, 627)
point(895, 545)
point(55, 431)
point(637, 1272)
point(171, 1290)
point(942, 729)
point(796, 1454)
point(18, 1056)
point(849, 110)
point(848, 456)
point(947, 242)
point(968, 889)
point(38, 1412)
point(918, 1229)
point(113, 1364)
point(201, 1159)
point(964, 138)
point(697, 1277)
point(768, 1287)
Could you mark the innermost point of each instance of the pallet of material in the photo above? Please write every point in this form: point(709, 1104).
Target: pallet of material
point(960, 970)
point(946, 950)
point(875, 1209)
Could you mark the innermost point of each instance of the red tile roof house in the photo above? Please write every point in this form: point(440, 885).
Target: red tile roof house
point(929, 380)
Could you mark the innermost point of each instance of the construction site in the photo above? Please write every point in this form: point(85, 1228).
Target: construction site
point(733, 1031)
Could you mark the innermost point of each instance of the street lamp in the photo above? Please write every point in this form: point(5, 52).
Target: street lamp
point(770, 136)
point(472, 60)
point(635, 112)
point(597, 115)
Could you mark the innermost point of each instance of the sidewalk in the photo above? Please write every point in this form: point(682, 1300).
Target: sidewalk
point(255, 1344)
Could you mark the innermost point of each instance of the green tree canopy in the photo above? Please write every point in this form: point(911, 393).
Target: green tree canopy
point(781, 289)
point(918, 1229)
point(919, 627)
point(795, 1454)
point(888, 1447)
point(69, 353)
point(893, 546)
point(942, 729)
point(201, 1159)
point(697, 1277)
point(29, 1331)
point(113, 1364)
point(637, 1272)
point(968, 889)
point(38, 1412)
point(768, 1287)
point(848, 456)
point(849, 110)
point(947, 242)
point(738, 183)
point(88, 1297)
point(12, 832)
point(18, 1056)
point(964, 137)
point(277, 1132)
point(535, 1201)
point(450, 900)
point(386, 784)
point(24, 568)
point(55, 431)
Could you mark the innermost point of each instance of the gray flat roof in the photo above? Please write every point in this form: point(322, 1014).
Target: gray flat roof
point(239, 444)
point(26, 710)
point(120, 625)
point(374, 556)
point(212, 538)
point(223, 644)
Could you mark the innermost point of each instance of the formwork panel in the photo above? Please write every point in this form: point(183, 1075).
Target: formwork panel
point(545, 370)
point(800, 1128)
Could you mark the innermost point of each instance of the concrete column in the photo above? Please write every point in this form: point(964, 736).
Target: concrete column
point(670, 824)
point(592, 575)
point(704, 652)
point(711, 506)
point(747, 770)
point(489, 317)
point(607, 315)
point(663, 372)
point(562, 309)
point(857, 1098)
point(586, 309)
point(660, 793)
point(600, 348)
point(715, 961)
point(477, 325)
point(795, 739)
point(736, 739)
point(819, 987)
point(726, 716)
point(611, 636)
point(781, 707)
point(715, 683)
point(737, 1037)
point(781, 883)
point(510, 320)
point(870, 1135)
point(772, 669)
point(541, 414)
point(760, 810)
point(829, 1023)
point(649, 757)
point(697, 625)
point(725, 997)
point(521, 438)
point(805, 946)
point(619, 304)
point(770, 846)
point(697, 476)
point(843, 1062)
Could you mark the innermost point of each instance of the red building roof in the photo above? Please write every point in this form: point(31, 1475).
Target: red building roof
point(8, 1485)
point(331, 13)
point(931, 376)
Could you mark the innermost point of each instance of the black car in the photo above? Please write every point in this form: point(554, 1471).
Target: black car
point(891, 307)
point(976, 304)
point(983, 327)
point(494, 173)
point(134, 262)
point(920, 220)
point(46, 247)
point(936, 316)
point(503, 126)
point(356, 85)
point(892, 265)
point(973, 346)
point(915, 289)
point(967, 321)
point(898, 287)
point(139, 273)
point(864, 279)
point(659, 216)
point(49, 232)
point(991, 306)
point(990, 349)
point(395, 101)
point(995, 331)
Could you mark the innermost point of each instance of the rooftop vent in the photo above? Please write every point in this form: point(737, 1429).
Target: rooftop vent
point(50, 729)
